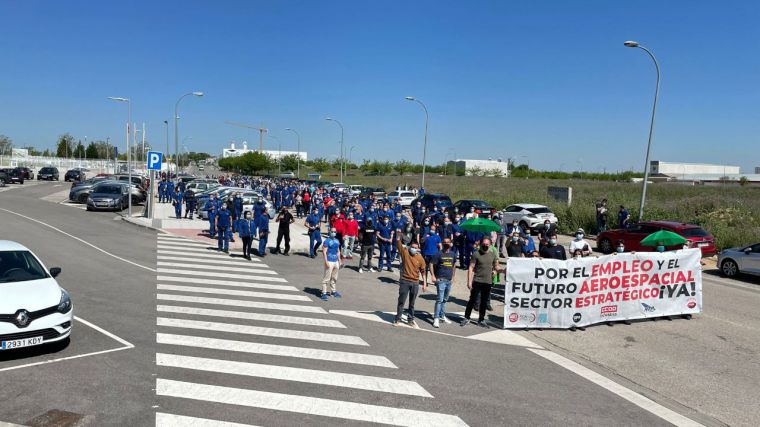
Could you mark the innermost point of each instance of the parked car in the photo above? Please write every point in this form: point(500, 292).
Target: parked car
point(338, 186)
point(13, 175)
point(74, 175)
point(138, 180)
point(80, 191)
point(735, 261)
point(34, 309)
point(201, 185)
point(530, 216)
point(433, 200)
point(483, 209)
point(26, 172)
point(48, 173)
point(378, 192)
point(4, 179)
point(288, 175)
point(405, 198)
point(355, 190)
point(112, 195)
point(696, 236)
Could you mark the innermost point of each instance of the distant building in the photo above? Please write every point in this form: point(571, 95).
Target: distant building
point(674, 169)
point(275, 154)
point(480, 167)
point(757, 169)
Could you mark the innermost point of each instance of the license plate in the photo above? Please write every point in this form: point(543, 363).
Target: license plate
point(25, 342)
point(701, 245)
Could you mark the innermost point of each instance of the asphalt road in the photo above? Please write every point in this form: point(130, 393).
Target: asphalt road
point(260, 348)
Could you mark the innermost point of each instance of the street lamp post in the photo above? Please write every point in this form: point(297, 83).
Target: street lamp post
point(298, 174)
point(424, 147)
point(129, 154)
point(176, 124)
point(651, 125)
point(350, 150)
point(166, 155)
point(330, 119)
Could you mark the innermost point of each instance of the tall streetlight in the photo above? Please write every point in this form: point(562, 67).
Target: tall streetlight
point(424, 147)
point(129, 154)
point(298, 174)
point(330, 119)
point(166, 155)
point(631, 43)
point(176, 124)
point(350, 150)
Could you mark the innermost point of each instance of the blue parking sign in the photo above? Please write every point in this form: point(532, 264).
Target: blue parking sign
point(154, 160)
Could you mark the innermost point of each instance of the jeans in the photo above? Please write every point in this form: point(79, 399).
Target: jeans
point(348, 246)
point(410, 290)
point(385, 253)
point(444, 287)
point(478, 288)
point(315, 239)
point(501, 242)
point(223, 241)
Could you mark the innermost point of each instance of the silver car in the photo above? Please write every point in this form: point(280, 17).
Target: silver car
point(740, 260)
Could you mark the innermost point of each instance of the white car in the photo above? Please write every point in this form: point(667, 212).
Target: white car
point(529, 216)
point(338, 186)
point(34, 309)
point(405, 198)
point(355, 190)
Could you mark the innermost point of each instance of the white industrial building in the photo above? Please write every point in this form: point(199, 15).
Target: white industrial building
point(274, 154)
point(488, 167)
point(675, 169)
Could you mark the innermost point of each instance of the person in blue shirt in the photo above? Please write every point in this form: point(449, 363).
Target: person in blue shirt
point(398, 224)
point(169, 190)
point(246, 229)
point(162, 191)
point(259, 208)
point(331, 254)
point(212, 206)
point(384, 240)
point(177, 202)
point(262, 225)
point(180, 186)
point(237, 202)
point(223, 224)
point(623, 217)
point(313, 224)
point(431, 245)
point(471, 239)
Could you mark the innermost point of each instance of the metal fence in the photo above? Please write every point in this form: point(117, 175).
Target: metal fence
point(64, 164)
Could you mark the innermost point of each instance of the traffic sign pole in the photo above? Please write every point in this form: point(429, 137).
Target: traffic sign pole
point(153, 164)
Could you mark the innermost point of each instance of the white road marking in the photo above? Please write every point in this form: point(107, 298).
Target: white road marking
point(237, 292)
point(261, 331)
point(126, 345)
point(202, 262)
point(198, 245)
point(208, 254)
point(311, 376)
point(234, 283)
point(251, 276)
point(306, 321)
point(169, 420)
point(503, 336)
point(189, 249)
point(80, 240)
point(305, 405)
point(623, 392)
point(275, 350)
point(204, 272)
point(242, 303)
point(250, 268)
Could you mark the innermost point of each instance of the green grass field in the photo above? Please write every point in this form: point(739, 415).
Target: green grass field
point(730, 213)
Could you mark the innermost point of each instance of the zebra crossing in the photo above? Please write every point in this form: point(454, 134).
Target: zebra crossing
point(235, 340)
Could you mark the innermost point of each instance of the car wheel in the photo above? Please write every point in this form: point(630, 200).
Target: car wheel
point(83, 198)
point(21, 182)
point(605, 245)
point(89, 208)
point(119, 207)
point(729, 268)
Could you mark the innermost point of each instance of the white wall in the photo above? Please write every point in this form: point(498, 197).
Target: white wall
point(671, 168)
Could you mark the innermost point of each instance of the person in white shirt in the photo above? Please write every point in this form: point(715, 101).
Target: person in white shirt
point(579, 244)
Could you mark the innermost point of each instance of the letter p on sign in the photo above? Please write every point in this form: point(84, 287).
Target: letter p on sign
point(154, 160)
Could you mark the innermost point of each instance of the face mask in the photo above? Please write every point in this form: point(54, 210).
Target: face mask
point(427, 222)
point(661, 249)
point(446, 246)
point(398, 218)
point(552, 242)
point(412, 251)
point(547, 225)
point(332, 234)
point(484, 247)
point(514, 224)
point(385, 221)
point(579, 236)
point(515, 238)
point(620, 249)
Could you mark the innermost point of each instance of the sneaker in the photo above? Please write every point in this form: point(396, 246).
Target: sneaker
point(337, 294)
point(436, 323)
point(483, 324)
point(396, 323)
point(488, 307)
point(372, 270)
point(464, 322)
point(361, 270)
point(325, 297)
point(413, 324)
point(390, 270)
point(446, 320)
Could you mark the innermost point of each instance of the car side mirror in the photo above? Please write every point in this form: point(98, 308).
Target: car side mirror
point(55, 271)
point(747, 251)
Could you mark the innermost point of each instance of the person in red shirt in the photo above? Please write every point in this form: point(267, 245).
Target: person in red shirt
point(306, 202)
point(338, 222)
point(350, 234)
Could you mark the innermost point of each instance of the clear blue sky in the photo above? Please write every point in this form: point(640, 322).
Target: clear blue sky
point(550, 79)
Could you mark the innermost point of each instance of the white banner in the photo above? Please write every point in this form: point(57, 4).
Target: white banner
point(548, 293)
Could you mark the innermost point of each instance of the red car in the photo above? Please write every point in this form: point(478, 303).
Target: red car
point(696, 236)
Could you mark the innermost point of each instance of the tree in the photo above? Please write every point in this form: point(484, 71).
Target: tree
point(6, 145)
point(65, 146)
point(92, 151)
point(474, 171)
point(289, 163)
point(47, 153)
point(254, 161)
point(743, 181)
point(320, 164)
point(79, 150)
point(402, 166)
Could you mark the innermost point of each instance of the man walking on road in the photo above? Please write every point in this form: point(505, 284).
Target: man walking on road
point(313, 224)
point(442, 271)
point(222, 226)
point(483, 264)
point(284, 218)
point(412, 267)
point(189, 203)
point(262, 225)
point(368, 247)
point(331, 253)
point(246, 229)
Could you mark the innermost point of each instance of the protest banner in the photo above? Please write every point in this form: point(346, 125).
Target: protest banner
point(548, 293)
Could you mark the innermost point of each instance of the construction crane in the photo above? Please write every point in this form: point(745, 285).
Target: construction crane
point(260, 129)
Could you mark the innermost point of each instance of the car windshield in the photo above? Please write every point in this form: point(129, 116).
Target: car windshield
point(694, 232)
point(540, 210)
point(20, 266)
point(107, 189)
point(479, 203)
